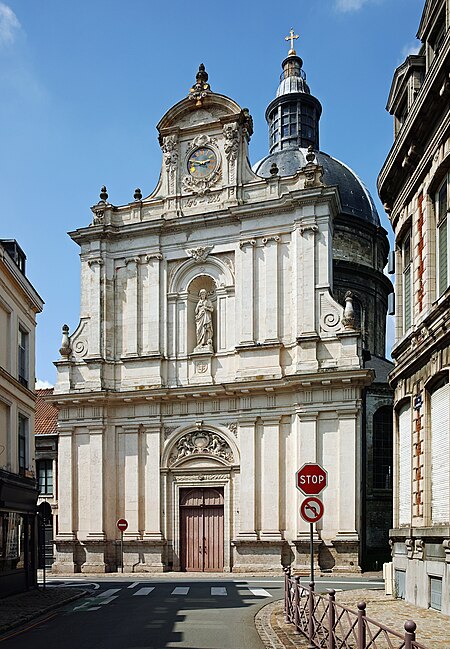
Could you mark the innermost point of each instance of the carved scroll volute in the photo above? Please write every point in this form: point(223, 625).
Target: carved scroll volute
point(232, 139)
point(170, 152)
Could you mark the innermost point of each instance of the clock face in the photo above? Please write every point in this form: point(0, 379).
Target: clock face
point(202, 162)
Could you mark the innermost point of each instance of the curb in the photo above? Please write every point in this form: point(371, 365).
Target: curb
point(32, 616)
point(264, 628)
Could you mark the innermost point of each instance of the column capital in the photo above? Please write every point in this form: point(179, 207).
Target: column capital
point(306, 415)
point(247, 421)
point(65, 431)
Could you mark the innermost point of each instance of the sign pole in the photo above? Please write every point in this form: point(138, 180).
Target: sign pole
point(121, 551)
point(311, 550)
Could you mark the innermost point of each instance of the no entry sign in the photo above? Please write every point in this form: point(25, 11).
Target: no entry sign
point(311, 479)
point(122, 524)
point(311, 509)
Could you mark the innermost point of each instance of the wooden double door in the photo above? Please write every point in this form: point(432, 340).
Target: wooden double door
point(201, 533)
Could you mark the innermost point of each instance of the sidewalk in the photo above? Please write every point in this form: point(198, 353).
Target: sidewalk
point(16, 610)
point(433, 628)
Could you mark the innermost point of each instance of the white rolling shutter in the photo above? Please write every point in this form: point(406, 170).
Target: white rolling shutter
point(404, 473)
point(440, 455)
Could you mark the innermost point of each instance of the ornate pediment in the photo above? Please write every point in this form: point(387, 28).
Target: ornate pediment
point(201, 443)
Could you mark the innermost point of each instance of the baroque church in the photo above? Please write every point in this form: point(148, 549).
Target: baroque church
point(232, 328)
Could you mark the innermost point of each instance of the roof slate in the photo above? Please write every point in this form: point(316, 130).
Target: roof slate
point(46, 418)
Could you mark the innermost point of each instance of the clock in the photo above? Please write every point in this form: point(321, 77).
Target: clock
point(202, 162)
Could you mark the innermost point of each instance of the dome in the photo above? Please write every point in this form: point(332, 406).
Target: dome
point(355, 198)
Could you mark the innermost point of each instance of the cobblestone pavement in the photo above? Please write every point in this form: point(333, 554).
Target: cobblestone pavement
point(433, 628)
point(16, 610)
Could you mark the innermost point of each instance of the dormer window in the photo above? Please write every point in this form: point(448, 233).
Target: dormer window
point(401, 115)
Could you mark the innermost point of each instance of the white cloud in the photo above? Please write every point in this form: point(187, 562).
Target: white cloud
point(9, 25)
point(42, 385)
point(350, 5)
point(410, 48)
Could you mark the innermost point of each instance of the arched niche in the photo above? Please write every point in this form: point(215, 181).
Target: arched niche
point(199, 283)
point(217, 278)
point(188, 270)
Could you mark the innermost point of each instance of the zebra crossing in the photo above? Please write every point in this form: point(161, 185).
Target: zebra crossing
point(100, 600)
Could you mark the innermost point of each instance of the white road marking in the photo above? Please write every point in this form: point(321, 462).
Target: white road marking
point(134, 585)
point(259, 592)
point(180, 590)
point(144, 591)
point(107, 600)
point(109, 592)
point(94, 608)
point(218, 591)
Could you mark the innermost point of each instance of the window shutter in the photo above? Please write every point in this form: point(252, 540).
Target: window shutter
point(442, 257)
point(440, 456)
point(407, 297)
point(404, 451)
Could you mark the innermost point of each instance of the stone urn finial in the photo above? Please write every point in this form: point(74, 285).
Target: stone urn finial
point(65, 343)
point(349, 314)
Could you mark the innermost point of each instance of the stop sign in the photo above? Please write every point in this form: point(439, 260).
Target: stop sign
point(122, 524)
point(311, 479)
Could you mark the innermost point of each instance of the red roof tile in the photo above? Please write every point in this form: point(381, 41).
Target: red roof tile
point(46, 414)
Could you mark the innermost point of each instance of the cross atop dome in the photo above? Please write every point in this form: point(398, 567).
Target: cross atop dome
point(291, 38)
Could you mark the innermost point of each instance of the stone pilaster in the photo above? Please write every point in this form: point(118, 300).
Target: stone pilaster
point(151, 304)
point(130, 317)
point(95, 302)
point(247, 433)
point(272, 287)
point(246, 290)
point(269, 488)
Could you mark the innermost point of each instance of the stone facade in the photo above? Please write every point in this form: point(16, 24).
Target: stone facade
point(19, 306)
point(414, 185)
point(211, 355)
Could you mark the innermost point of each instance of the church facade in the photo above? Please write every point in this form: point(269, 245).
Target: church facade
point(232, 328)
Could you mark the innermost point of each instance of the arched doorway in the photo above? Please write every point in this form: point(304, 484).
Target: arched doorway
point(201, 529)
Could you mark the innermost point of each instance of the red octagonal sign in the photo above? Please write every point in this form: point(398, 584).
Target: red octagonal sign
point(311, 479)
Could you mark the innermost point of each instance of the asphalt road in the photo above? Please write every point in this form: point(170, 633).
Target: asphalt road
point(196, 613)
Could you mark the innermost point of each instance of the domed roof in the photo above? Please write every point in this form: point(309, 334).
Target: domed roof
point(355, 198)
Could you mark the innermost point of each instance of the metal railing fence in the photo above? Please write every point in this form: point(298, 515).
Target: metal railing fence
point(330, 625)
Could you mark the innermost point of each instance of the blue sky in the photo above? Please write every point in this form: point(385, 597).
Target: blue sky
point(83, 85)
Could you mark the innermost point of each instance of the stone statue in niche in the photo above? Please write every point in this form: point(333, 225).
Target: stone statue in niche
point(203, 322)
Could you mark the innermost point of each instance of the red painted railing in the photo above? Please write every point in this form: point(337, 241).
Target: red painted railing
point(329, 625)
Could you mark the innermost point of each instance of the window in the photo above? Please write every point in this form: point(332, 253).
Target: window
point(23, 444)
point(400, 579)
point(12, 542)
point(440, 451)
point(442, 221)
point(45, 476)
point(407, 283)
point(436, 593)
point(382, 448)
point(404, 465)
point(23, 357)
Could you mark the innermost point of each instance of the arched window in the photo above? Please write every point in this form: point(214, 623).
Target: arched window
point(382, 448)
